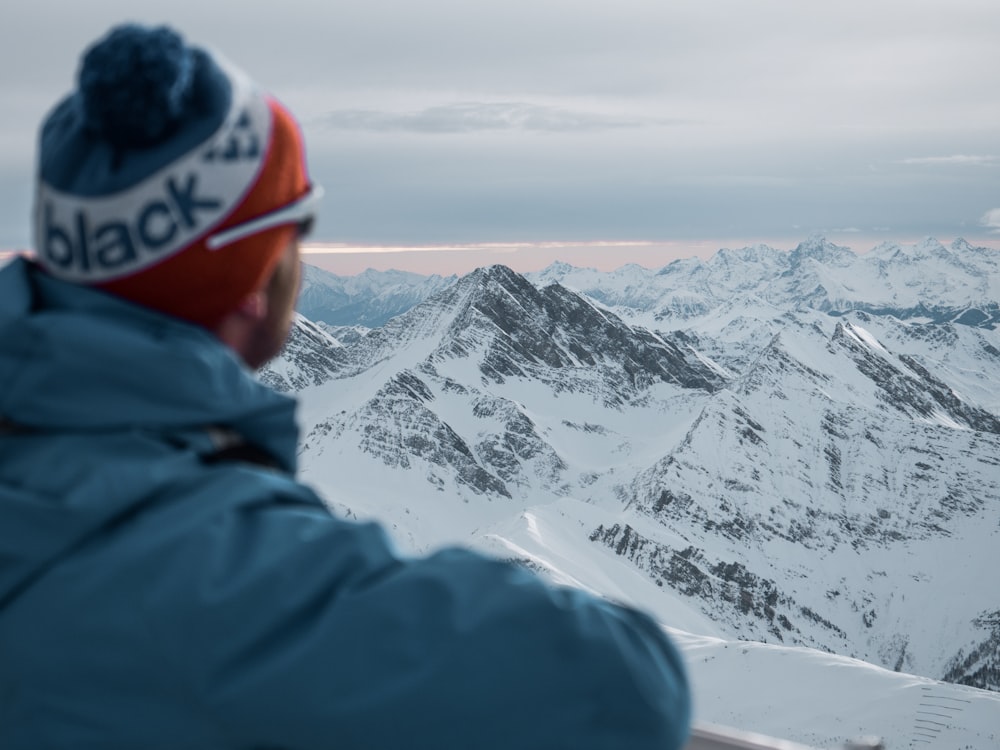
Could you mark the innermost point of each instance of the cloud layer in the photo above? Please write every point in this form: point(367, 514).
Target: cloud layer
point(991, 220)
point(467, 117)
point(445, 120)
point(959, 160)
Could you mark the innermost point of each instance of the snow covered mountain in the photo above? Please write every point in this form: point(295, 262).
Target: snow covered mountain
point(800, 450)
point(312, 354)
point(369, 299)
point(926, 282)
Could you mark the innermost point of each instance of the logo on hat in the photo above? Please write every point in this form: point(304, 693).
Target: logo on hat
point(94, 239)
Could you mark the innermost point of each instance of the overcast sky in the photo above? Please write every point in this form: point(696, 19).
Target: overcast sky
point(683, 123)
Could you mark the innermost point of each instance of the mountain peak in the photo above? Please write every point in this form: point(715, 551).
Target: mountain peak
point(558, 267)
point(818, 248)
point(749, 254)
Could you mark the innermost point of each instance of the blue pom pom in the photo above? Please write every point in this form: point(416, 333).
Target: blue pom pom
point(134, 85)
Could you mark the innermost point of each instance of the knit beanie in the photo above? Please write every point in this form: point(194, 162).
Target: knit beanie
point(168, 178)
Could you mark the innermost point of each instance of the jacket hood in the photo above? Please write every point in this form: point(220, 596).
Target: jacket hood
point(73, 359)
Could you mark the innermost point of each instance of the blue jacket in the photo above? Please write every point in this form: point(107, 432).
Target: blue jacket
point(152, 596)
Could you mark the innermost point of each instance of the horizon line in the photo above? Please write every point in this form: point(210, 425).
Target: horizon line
point(537, 254)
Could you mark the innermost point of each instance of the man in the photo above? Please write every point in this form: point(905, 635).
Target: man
point(164, 580)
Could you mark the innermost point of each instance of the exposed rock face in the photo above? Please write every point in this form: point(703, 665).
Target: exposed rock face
point(310, 357)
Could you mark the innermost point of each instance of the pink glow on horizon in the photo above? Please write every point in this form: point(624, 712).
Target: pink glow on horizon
point(445, 260)
point(6, 255)
point(350, 260)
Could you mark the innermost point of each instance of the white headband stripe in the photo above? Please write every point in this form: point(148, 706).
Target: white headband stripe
point(293, 213)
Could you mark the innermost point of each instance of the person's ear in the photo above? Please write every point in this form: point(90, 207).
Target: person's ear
point(253, 306)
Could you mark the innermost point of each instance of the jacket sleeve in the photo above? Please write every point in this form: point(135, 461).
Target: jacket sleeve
point(306, 631)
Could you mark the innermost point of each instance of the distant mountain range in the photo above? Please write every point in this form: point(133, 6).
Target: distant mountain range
point(793, 448)
point(369, 299)
point(926, 282)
